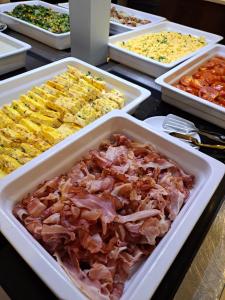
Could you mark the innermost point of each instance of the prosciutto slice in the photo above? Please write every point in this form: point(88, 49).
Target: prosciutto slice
point(137, 216)
point(89, 287)
point(103, 217)
point(35, 207)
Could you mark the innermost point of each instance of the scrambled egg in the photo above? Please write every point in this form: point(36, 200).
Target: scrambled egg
point(49, 113)
point(164, 46)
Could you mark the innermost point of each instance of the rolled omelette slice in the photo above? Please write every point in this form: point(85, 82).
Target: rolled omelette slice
point(86, 115)
point(8, 164)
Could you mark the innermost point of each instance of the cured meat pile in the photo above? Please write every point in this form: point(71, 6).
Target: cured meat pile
point(108, 213)
point(208, 82)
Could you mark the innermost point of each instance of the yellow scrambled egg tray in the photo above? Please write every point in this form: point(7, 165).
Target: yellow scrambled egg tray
point(164, 46)
point(49, 113)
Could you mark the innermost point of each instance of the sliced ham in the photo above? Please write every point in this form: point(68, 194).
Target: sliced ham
point(99, 160)
point(188, 179)
point(134, 228)
point(130, 261)
point(53, 235)
point(121, 169)
point(150, 230)
point(91, 215)
point(47, 187)
point(117, 155)
point(89, 287)
point(116, 251)
point(100, 185)
point(101, 273)
point(123, 190)
point(93, 202)
point(154, 165)
point(92, 243)
point(35, 207)
point(34, 226)
point(105, 215)
point(119, 139)
point(52, 198)
point(64, 188)
point(52, 219)
point(137, 216)
point(76, 173)
point(176, 201)
point(20, 212)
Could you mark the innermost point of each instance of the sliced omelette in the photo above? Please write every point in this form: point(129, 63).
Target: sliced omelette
point(49, 113)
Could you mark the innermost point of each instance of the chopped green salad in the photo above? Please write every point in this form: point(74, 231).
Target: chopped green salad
point(43, 17)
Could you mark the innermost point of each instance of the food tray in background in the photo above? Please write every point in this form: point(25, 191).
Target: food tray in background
point(13, 58)
point(193, 104)
point(207, 171)
point(116, 27)
point(148, 65)
point(14, 87)
point(58, 41)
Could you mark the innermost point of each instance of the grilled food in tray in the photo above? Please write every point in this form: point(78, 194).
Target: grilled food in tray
point(49, 113)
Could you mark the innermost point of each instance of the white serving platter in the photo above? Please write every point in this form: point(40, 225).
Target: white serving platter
point(193, 104)
point(116, 27)
point(207, 171)
point(148, 65)
point(58, 41)
point(14, 87)
point(14, 58)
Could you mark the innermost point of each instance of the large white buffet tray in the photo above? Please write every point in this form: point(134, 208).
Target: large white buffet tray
point(14, 87)
point(148, 65)
point(14, 58)
point(207, 171)
point(204, 109)
point(58, 41)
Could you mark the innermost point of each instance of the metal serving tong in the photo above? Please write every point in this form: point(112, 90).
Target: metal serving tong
point(175, 123)
point(194, 141)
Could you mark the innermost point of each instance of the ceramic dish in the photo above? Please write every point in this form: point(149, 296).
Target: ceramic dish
point(148, 65)
point(207, 171)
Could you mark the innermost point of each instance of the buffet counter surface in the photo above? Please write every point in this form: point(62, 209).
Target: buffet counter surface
point(199, 269)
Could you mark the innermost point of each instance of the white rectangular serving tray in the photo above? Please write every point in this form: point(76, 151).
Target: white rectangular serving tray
point(193, 104)
point(14, 59)
point(14, 87)
point(207, 171)
point(58, 41)
point(116, 27)
point(148, 65)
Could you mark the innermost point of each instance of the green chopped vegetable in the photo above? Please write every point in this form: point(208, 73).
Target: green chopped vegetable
point(161, 58)
point(42, 17)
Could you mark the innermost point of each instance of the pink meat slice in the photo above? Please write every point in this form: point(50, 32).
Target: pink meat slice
point(137, 216)
point(105, 215)
point(89, 287)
